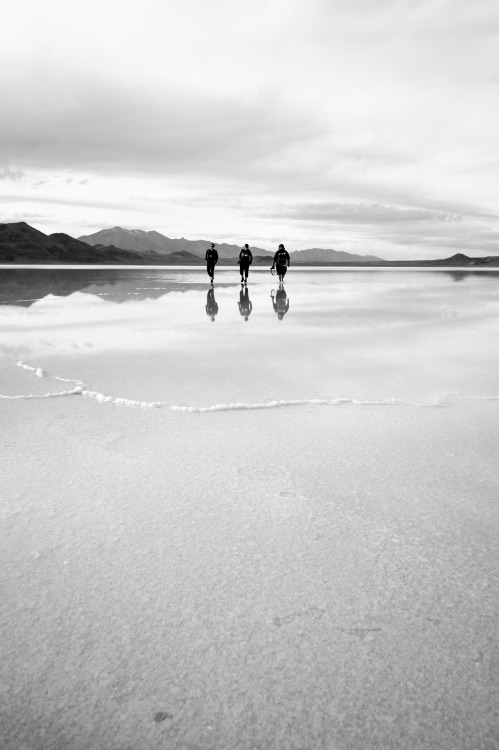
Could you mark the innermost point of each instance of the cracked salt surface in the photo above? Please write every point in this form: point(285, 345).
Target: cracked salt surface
point(259, 577)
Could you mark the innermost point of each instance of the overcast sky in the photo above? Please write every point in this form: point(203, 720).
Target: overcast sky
point(369, 126)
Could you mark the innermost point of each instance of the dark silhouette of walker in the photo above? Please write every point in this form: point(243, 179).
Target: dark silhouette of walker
point(211, 258)
point(245, 261)
point(244, 304)
point(280, 302)
point(281, 262)
point(211, 304)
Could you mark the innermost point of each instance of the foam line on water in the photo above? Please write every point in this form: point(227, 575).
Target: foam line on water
point(103, 399)
point(276, 404)
point(37, 370)
point(42, 374)
point(27, 396)
point(81, 389)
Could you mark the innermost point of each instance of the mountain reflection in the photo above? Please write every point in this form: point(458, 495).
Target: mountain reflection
point(24, 286)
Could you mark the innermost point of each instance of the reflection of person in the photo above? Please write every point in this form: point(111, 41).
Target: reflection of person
point(245, 261)
point(211, 304)
point(244, 304)
point(281, 262)
point(211, 259)
point(281, 302)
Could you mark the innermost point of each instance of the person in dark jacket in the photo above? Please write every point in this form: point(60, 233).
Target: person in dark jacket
point(211, 259)
point(281, 262)
point(245, 261)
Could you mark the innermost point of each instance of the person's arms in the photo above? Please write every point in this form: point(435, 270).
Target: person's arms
point(250, 308)
point(288, 258)
point(216, 257)
point(206, 255)
point(250, 257)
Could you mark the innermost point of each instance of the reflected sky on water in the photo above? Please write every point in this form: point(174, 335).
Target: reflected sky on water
point(167, 334)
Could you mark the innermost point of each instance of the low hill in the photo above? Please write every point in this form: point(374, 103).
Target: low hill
point(323, 255)
point(20, 243)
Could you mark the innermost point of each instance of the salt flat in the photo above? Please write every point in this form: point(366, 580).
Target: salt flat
point(261, 533)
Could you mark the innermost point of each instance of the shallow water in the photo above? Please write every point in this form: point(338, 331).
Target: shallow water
point(274, 532)
point(152, 336)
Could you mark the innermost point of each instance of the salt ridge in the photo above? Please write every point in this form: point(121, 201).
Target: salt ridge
point(82, 389)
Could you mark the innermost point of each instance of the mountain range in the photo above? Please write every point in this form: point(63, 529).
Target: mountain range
point(155, 243)
point(22, 244)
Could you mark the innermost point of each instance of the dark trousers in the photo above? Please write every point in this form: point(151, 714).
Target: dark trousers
point(281, 270)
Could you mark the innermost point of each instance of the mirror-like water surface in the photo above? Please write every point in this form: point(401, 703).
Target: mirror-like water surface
point(167, 336)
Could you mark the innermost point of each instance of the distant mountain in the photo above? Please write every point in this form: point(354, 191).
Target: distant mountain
point(20, 243)
point(144, 242)
point(322, 255)
point(141, 241)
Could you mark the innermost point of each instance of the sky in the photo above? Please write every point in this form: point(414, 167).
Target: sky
point(368, 126)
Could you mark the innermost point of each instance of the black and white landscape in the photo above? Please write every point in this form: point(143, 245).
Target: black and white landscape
point(255, 508)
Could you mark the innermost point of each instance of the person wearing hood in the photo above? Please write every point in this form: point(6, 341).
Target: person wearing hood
point(245, 261)
point(211, 258)
point(281, 262)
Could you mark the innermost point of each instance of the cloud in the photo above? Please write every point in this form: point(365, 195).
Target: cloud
point(27, 216)
point(368, 121)
point(95, 126)
point(357, 213)
point(11, 174)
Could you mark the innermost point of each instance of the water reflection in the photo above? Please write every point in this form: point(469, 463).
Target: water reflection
point(22, 287)
point(211, 304)
point(280, 301)
point(244, 304)
point(374, 322)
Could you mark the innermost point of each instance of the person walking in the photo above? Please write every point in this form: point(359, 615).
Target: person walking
point(281, 262)
point(211, 259)
point(245, 261)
